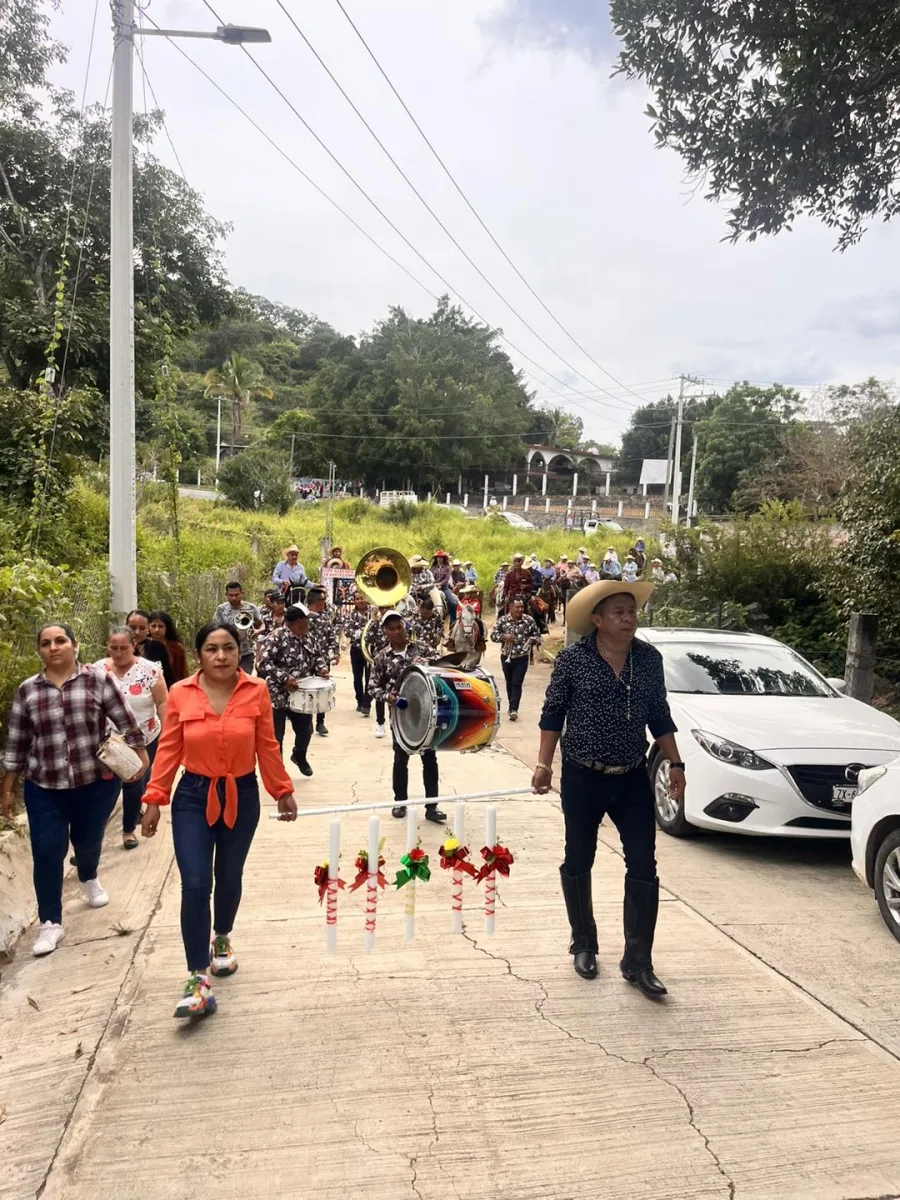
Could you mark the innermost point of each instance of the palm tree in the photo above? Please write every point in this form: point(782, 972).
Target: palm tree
point(238, 380)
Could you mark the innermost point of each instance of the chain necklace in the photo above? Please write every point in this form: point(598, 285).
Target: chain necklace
point(619, 677)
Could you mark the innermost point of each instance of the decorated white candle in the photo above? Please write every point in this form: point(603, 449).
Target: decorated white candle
point(331, 896)
point(372, 884)
point(456, 890)
point(410, 888)
point(490, 880)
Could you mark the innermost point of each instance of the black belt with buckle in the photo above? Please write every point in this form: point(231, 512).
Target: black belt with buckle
point(608, 768)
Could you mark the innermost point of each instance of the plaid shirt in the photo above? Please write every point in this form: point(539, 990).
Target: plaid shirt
point(428, 631)
point(323, 635)
point(355, 622)
point(54, 733)
point(285, 655)
point(525, 632)
point(390, 664)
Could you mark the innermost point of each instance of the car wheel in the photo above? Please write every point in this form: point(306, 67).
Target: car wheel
point(887, 881)
point(669, 813)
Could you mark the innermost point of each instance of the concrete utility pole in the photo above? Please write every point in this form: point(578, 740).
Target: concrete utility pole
point(679, 425)
point(122, 544)
point(667, 490)
point(859, 670)
point(690, 507)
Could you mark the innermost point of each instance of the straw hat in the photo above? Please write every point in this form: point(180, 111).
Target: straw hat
point(455, 563)
point(518, 557)
point(417, 561)
point(292, 549)
point(583, 603)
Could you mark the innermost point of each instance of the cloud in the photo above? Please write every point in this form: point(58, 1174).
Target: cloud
point(871, 318)
point(579, 25)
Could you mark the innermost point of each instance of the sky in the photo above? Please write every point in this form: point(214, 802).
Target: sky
point(518, 98)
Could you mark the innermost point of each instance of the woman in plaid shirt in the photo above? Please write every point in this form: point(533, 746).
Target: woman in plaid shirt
point(57, 722)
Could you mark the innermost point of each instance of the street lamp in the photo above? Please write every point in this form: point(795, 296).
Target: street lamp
point(122, 543)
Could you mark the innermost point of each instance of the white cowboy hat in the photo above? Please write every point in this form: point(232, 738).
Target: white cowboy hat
point(515, 556)
point(417, 561)
point(583, 603)
point(292, 549)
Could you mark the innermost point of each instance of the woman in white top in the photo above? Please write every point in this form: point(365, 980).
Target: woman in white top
point(141, 683)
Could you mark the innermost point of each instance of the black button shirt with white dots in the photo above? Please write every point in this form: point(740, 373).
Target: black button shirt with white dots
point(585, 696)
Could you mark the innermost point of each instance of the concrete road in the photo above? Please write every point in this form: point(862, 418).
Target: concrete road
point(465, 1067)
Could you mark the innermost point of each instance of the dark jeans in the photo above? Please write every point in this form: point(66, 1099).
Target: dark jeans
point(452, 602)
point(56, 817)
point(198, 845)
point(302, 725)
point(133, 794)
point(401, 774)
point(514, 669)
point(361, 672)
point(247, 662)
point(628, 799)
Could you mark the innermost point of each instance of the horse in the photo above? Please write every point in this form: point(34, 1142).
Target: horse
point(551, 596)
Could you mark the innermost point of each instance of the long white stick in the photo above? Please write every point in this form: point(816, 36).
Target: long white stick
point(372, 884)
point(331, 898)
point(490, 880)
point(412, 836)
point(469, 797)
point(456, 891)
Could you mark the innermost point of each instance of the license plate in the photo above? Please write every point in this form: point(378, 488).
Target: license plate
point(843, 795)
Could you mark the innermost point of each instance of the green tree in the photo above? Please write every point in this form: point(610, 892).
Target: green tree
point(257, 479)
point(238, 380)
point(27, 51)
point(866, 566)
point(740, 432)
point(778, 109)
point(648, 434)
point(556, 427)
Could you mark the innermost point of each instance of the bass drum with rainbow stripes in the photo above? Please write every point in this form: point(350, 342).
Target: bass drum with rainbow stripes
point(446, 709)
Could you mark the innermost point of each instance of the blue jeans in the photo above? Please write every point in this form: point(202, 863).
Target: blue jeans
point(56, 817)
point(133, 794)
point(197, 844)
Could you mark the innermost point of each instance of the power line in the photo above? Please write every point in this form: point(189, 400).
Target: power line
point(475, 213)
point(501, 336)
point(503, 299)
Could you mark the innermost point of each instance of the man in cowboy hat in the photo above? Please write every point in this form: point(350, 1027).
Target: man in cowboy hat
point(290, 573)
point(519, 581)
point(606, 690)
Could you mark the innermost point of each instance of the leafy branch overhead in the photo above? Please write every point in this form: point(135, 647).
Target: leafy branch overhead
point(777, 109)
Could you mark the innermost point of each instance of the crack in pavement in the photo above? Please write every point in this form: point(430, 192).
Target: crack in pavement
point(645, 1062)
point(757, 1049)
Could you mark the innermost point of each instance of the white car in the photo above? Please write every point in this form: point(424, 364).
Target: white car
point(770, 746)
point(514, 519)
point(875, 838)
point(598, 525)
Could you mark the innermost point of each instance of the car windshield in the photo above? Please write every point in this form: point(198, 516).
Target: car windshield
point(733, 669)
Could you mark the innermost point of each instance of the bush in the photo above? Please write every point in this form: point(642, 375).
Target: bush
point(258, 479)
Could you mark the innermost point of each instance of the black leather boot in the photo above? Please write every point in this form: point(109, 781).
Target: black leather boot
point(639, 913)
point(577, 892)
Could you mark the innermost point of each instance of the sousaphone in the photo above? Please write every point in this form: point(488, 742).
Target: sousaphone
point(384, 578)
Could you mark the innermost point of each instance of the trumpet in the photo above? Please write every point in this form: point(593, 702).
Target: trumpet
point(243, 622)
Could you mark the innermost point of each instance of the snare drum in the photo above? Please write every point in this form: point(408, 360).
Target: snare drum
point(446, 709)
point(314, 695)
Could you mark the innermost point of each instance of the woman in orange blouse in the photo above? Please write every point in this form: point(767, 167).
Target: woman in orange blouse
point(218, 725)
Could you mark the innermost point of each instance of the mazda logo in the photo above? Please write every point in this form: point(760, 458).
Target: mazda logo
point(851, 773)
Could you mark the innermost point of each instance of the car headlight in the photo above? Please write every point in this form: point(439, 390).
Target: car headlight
point(868, 777)
point(730, 752)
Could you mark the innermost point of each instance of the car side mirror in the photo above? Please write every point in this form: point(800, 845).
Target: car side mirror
point(839, 685)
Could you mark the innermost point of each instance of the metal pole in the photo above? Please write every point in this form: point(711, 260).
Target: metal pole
point(485, 492)
point(293, 437)
point(690, 506)
point(676, 465)
point(122, 546)
point(218, 438)
point(668, 487)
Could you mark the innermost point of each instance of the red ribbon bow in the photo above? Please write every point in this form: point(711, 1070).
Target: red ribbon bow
point(362, 868)
point(455, 859)
point(320, 877)
point(496, 858)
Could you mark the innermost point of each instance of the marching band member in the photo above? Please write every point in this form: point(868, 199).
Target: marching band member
point(219, 728)
point(516, 633)
point(606, 690)
point(57, 722)
point(289, 655)
point(428, 626)
point(353, 626)
point(273, 618)
point(376, 640)
point(389, 665)
point(227, 613)
point(324, 636)
point(290, 574)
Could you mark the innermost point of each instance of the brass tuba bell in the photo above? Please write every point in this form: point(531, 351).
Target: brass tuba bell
point(383, 576)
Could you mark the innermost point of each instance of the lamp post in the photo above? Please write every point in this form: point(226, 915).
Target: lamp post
point(122, 545)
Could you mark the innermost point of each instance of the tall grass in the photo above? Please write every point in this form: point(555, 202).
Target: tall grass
point(215, 537)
